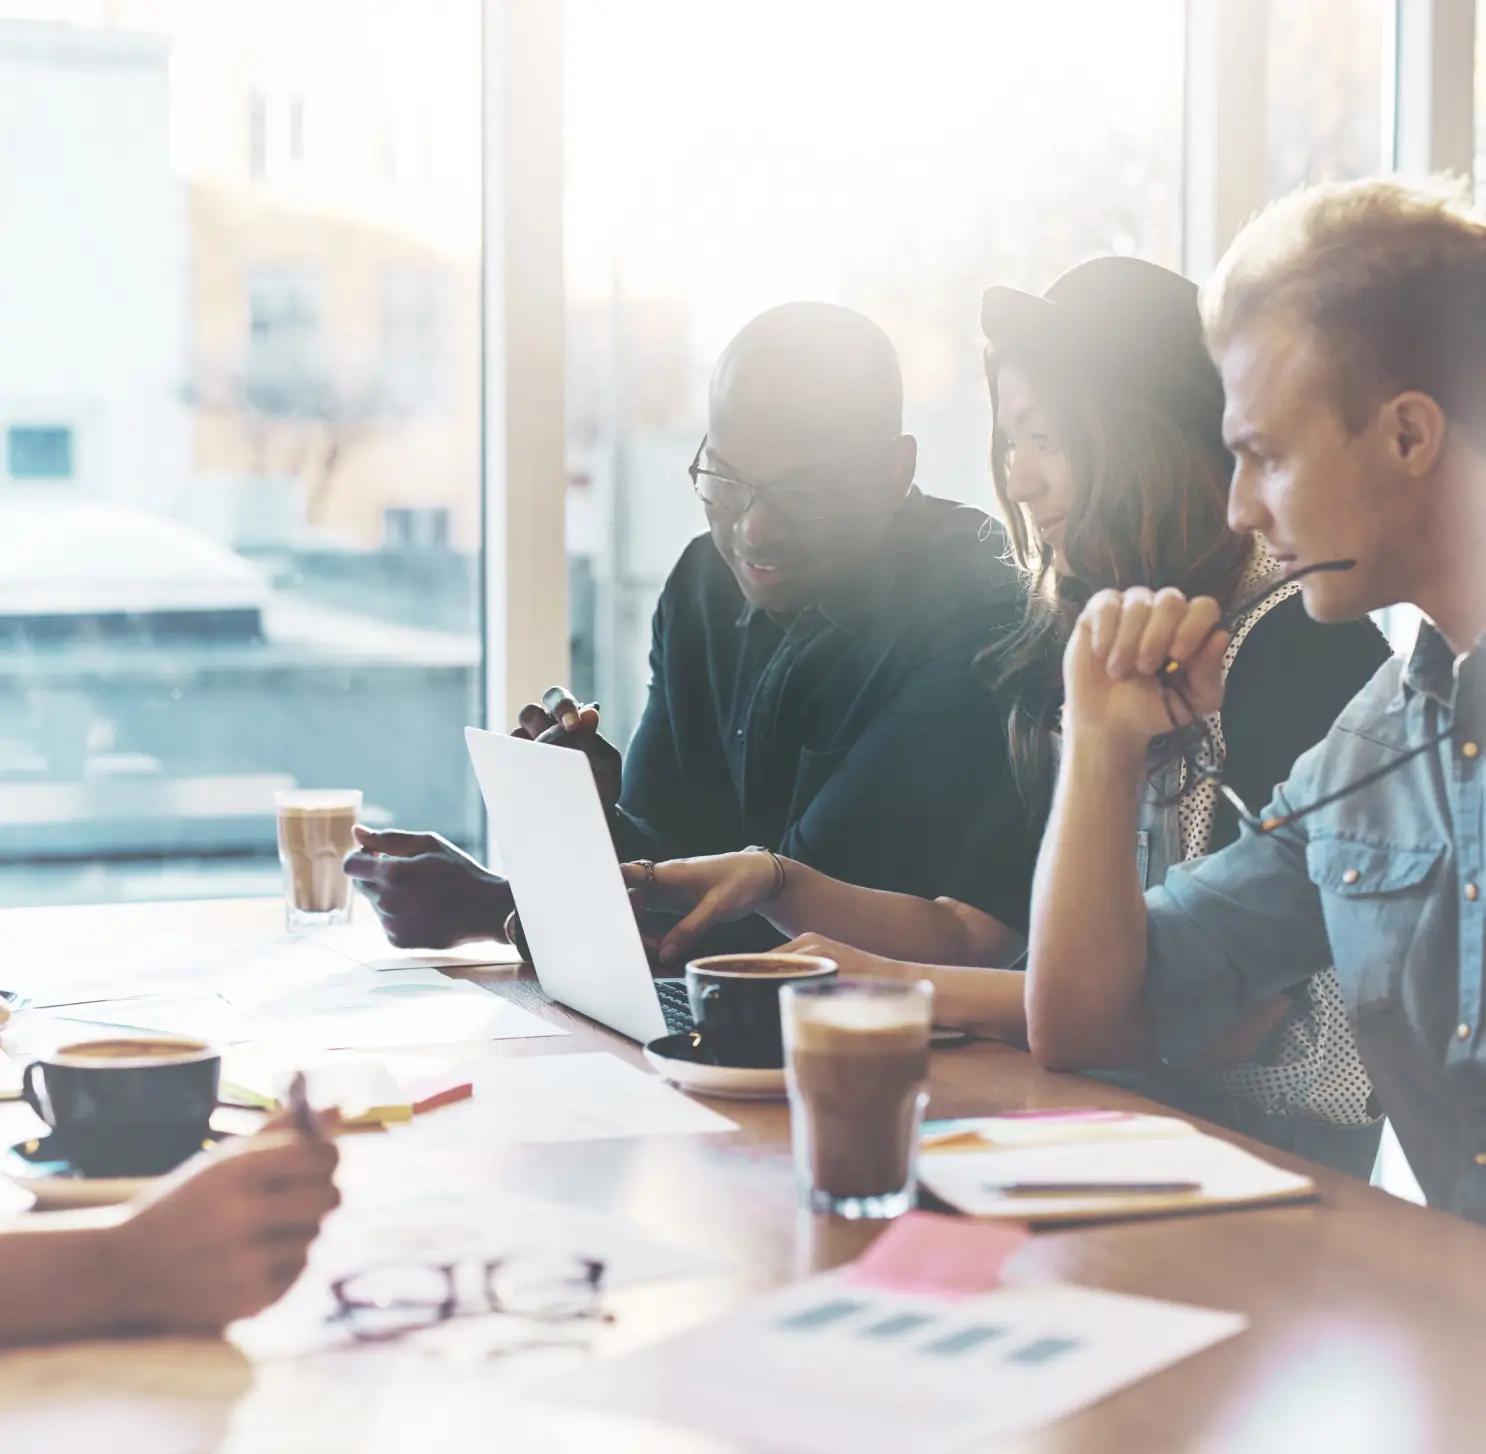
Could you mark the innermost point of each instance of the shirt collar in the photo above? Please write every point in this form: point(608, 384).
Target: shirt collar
point(1432, 670)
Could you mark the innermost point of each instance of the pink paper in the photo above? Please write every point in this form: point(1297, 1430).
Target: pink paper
point(950, 1257)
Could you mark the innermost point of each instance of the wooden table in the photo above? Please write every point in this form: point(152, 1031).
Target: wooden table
point(1368, 1315)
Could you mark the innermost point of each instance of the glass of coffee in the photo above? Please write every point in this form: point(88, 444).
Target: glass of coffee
point(857, 1067)
point(314, 838)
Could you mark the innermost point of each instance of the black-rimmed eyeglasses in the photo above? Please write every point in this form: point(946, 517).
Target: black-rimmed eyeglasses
point(397, 1298)
point(809, 501)
point(1199, 751)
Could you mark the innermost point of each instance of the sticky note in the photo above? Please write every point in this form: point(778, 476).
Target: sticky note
point(950, 1257)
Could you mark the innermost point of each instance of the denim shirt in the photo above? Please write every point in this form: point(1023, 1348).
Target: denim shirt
point(1385, 884)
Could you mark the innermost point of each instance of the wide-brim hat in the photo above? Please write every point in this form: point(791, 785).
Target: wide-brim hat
point(1130, 328)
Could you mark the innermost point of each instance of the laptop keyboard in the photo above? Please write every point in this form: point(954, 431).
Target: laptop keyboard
point(674, 1005)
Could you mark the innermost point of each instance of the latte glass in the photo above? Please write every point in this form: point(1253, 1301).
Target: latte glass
point(314, 828)
point(857, 1069)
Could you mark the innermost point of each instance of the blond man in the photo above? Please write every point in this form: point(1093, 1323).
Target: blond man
point(1349, 325)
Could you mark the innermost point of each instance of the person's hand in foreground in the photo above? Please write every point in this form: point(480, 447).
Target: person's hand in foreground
point(427, 893)
point(228, 1235)
point(561, 721)
point(220, 1239)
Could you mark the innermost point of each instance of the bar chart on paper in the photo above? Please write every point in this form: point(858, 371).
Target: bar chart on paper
point(855, 1370)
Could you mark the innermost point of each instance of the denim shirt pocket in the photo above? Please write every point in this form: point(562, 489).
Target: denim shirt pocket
point(1372, 894)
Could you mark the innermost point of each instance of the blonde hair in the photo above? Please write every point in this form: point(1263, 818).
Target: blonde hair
point(1390, 278)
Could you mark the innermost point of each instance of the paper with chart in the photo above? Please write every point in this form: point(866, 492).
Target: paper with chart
point(583, 1097)
point(852, 1369)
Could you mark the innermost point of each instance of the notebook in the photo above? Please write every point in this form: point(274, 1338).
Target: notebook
point(969, 1165)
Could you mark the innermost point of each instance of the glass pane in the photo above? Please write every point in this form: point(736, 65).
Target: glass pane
point(1480, 69)
point(897, 158)
point(1324, 90)
point(239, 400)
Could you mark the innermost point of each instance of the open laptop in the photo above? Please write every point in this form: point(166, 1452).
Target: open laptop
point(554, 849)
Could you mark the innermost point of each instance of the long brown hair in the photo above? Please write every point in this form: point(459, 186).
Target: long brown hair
point(1151, 505)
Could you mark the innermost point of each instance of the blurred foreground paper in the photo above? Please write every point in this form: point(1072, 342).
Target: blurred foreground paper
point(851, 1369)
point(584, 1097)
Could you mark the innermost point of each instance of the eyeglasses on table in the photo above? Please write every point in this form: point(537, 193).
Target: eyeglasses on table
point(394, 1299)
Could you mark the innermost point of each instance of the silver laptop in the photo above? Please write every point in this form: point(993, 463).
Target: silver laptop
point(554, 848)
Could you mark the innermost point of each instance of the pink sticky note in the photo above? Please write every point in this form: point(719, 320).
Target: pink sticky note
point(951, 1257)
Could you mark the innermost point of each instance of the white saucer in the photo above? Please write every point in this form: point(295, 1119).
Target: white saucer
point(667, 1057)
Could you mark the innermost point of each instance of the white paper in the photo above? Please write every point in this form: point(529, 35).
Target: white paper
point(855, 1370)
point(1226, 1173)
point(418, 1218)
point(409, 1015)
point(167, 964)
point(351, 1008)
point(10, 1078)
point(584, 1097)
point(363, 942)
point(193, 1016)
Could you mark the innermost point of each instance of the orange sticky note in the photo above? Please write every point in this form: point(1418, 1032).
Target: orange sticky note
point(950, 1257)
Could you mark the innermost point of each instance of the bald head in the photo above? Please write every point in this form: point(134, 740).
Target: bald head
point(806, 401)
point(812, 380)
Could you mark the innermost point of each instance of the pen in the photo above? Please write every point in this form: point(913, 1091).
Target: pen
point(298, 1102)
point(1112, 1188)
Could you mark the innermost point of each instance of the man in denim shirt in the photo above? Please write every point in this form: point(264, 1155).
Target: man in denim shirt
point(1349, 324)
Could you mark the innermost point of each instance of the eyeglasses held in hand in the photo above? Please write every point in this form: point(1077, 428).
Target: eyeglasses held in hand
point(1200, 752)
point(398, 1298)
point(806, 503)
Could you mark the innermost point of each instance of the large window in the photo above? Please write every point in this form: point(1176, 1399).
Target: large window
point(1325, 88)
point(239, 393)
point(240, 351)
point(728, 156)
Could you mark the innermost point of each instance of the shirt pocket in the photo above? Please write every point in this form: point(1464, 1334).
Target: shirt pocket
point(1372, 895)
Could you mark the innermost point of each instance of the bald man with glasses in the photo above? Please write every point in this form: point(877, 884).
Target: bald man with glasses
point(812, 688)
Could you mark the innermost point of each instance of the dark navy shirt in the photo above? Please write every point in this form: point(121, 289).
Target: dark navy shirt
point(854, 736)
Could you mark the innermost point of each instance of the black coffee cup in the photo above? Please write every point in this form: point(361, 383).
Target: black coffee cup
point(735, 1002)
point(127, 1089)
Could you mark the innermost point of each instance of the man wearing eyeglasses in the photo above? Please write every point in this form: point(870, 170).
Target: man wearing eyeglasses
point(811, 681)
point(1349, 324)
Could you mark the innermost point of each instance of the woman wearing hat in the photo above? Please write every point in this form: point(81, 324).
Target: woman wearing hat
point(1108, 459)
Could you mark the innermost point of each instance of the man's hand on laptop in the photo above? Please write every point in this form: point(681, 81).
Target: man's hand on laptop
point(427, 893)
point(560, 720)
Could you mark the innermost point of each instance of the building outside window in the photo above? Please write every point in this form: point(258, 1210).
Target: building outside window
point(276, 134)
point(39, 452)
point(212, 609)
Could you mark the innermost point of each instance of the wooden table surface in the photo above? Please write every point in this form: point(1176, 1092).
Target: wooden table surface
point(1368, 1314)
